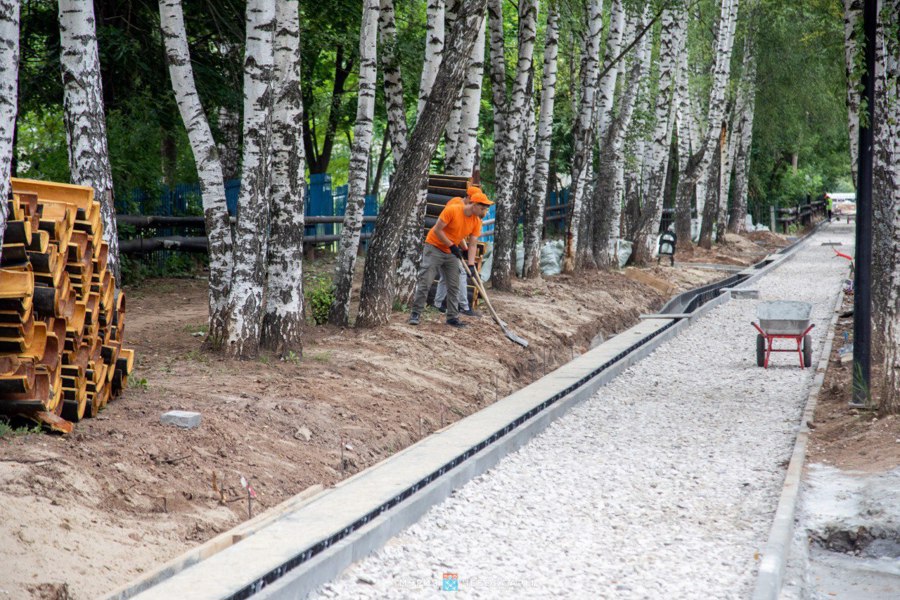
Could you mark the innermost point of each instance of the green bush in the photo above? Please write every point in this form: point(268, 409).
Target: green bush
point(319, 297)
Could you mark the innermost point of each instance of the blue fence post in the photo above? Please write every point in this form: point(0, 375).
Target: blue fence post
point(370, 209)
point(320, 202)
point(232, 192)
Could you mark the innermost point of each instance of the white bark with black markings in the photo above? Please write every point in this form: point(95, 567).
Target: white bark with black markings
point(607, 85)
point(890, 401)
point(743, 134)
point(537, 199)
point(9, 96)
point(503, 269)
point(84, 118)
point(283, 319)
point(462, 160)
point(657, 151)
point(852, 15)
point(209, 169)
point(359, 164)
point(410, 250)
point(245, 303)
point(584, 123)
point(376, 298)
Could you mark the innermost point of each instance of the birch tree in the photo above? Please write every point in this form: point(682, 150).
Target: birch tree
point(9, 97)
point(534, 217)
point(359, 164)
point(283, 317)
point(503, 269)
point(245, 303)
point(659, 146)
point(607, 84)
point(376, 298)
point(461, 157)
point(584, 123)
point(744, 135)
point(411, 238)
point(890, 157)
point(609, 187)
point(852, 13)
point(83, 115)
point(701, 160)
point(209, 169)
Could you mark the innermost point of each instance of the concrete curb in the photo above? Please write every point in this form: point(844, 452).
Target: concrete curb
point(770, 577)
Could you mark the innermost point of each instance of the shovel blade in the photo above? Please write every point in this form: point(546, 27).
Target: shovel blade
point(515, 338)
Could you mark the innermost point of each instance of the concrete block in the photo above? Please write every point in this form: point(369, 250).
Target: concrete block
point(743, 294)
point(181, 418)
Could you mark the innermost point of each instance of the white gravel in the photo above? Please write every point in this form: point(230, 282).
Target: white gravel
point(663, 485)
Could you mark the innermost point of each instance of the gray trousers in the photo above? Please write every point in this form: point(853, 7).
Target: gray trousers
point(434, 261)
point(441, 291)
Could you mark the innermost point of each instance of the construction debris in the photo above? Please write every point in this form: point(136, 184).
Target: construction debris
point(61, 317)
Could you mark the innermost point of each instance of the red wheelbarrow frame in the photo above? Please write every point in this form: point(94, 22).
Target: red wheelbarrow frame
point(770, 338)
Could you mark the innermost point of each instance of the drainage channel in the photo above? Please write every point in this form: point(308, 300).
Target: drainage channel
point(617, 358)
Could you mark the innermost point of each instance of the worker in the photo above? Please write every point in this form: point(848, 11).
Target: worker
point(828, 206)
point(458, 223)
point(440, 294)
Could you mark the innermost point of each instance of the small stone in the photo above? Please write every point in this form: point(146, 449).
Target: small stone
point(182, 418)
point(303, 433)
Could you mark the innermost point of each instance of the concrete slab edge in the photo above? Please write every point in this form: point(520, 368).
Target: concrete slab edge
point(770, 576)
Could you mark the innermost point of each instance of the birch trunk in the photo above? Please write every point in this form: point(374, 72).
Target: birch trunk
point(498, 81)
point(283, 319)
point(684, 122)
point(890, 400)
point(245, 302)
point(726, 150)
point(359, 162)
point(584, 124)
point(701, 161)
point(744, 134)
point(209, 169)
point(410, 250)
point(83, 114)
point(503, 269)
point(852, 13)
point(393, 81)
point(467, 138)
point(658, 149)
point(377, 294)
point(607, 85)
point(229, 148)
point(609, 190)
point(9, 97)
point(534, 213)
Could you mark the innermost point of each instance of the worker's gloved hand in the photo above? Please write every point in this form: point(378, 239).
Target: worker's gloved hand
point(456, 251)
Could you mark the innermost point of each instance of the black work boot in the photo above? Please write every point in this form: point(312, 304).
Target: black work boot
point(456, 323)
point(414, 318)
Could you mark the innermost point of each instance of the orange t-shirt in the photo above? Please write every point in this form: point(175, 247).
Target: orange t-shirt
point(457, 226)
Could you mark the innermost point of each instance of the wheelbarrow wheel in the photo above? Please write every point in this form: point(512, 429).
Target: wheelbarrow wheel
point(807, 351)
point(760, 350)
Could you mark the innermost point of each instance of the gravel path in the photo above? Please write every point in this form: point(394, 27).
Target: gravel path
point(663, 485)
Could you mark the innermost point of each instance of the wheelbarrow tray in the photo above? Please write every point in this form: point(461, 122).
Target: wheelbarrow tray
point(783, 317)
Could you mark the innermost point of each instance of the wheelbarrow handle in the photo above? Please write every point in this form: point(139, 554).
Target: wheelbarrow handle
point(758, 328)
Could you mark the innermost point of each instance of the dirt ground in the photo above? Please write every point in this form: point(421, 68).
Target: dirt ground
point(86, 513)
point(845, 437)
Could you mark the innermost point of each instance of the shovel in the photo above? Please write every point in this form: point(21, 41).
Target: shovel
point(509, 333)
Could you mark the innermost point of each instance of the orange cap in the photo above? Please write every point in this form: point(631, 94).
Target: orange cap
point(479, 198)
point(472, 190)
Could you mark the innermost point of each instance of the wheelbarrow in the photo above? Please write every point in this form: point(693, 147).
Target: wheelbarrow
point(783, 319)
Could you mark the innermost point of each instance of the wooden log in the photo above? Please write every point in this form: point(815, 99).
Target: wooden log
point(119, 382)
point(110, 352)
point(9, 364)
point(45, 300)
point(92, 308)
point(52, 352)
point(101, 257)
point(458, 182)
point(74, 402)
point(65, 304)
point(57, 219)
point(75, 323)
